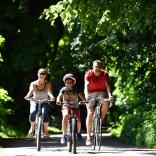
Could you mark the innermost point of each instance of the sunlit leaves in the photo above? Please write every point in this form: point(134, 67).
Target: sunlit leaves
point(2, 40)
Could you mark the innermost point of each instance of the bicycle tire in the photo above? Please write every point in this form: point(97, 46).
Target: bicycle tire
point(38, 134)
point(94, 137)
point(97, 133)
point(69, 141)
point(74, 130)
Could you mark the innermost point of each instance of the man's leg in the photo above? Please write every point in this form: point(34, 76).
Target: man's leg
point(89, 123)
point(104, 110)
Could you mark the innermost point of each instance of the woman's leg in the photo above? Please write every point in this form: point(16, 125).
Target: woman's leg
point(32, 116)
point(45, 113)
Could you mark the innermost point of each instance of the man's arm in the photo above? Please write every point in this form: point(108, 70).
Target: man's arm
point(107, 83)
point(86, 88)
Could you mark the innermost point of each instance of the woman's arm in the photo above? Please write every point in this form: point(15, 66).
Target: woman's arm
point(30, 92)
point(50, 91)
point(59, 97)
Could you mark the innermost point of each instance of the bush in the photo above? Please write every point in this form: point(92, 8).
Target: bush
point(140, 129)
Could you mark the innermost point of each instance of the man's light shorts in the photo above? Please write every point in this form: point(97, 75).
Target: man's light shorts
point(92, 97)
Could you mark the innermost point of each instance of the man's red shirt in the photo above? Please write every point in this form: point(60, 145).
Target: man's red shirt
point(96, 84)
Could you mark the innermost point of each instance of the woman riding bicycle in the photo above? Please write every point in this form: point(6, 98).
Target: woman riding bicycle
point(39, 89)
point(96, 87)
point(69, 94)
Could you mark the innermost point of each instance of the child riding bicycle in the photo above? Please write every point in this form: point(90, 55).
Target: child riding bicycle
point(69, 94)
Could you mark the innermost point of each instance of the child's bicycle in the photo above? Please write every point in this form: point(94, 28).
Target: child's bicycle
point(72, 126)
point(97, 124)
point(39, 121)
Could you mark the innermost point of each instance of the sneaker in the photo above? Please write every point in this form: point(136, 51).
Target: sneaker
point(30, 135)
point(79, 137)
point(89, 142)
point(46, 135)
point(64, 139)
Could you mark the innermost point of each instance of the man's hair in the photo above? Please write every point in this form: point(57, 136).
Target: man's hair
point(97, 62)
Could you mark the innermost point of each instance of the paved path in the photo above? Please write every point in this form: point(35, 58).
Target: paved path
point(52, 147)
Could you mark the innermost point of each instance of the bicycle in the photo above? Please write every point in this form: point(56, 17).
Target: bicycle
point(97, 124)
point(72, 126)
point(38, 121)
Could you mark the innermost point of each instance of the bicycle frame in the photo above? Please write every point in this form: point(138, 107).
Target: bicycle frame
point(38, 121)
point(97, 124)
point(72, 127)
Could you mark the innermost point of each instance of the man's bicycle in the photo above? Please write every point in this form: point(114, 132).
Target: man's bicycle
point(39, 121)
point(97, 124)
point(72, 125)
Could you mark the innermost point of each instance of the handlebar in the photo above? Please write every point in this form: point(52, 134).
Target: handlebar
point(39, 101)
point(107, 100)
point(71, 105)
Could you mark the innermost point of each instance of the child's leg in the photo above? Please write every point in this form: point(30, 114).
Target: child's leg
point(78, 125)
point(64, 121)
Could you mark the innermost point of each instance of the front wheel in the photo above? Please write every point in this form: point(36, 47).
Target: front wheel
point(69, 141)
point(74, 130)
point(38, 134)
point(97, 133)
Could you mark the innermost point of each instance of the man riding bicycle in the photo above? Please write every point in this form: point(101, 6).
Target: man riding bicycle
point(96, 87)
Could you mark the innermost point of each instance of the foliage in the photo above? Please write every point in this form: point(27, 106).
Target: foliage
point(122, 35)
point(140, 129)
point(2, 40)
point(27, 43)
point(4, 98)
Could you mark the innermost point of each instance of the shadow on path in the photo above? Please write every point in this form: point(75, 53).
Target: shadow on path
point(109, 145)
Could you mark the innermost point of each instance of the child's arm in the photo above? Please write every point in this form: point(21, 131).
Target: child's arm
point(82, 97)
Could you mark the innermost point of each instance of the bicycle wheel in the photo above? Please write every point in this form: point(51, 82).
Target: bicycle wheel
point(38, 134)
point(74, 130)
point(69, 141)
point(97, 133)
point(94, 136)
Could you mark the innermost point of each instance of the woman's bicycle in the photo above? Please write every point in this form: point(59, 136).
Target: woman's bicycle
point(72, 125)
point(39, 121)
point(97, 124)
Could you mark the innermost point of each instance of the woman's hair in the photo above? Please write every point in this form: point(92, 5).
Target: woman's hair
point(43, 70)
